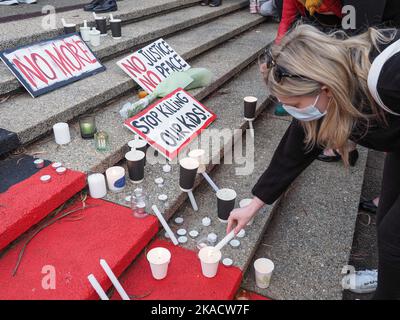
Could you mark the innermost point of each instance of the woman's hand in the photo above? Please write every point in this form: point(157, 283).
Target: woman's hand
point(239, 218)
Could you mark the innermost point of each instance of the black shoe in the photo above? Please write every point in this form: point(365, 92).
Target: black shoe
point(106, 6)
point(353, 157)
point(205, 2)
point(215, 3)
point(368, 205)
point(92, 5)
point(337, 157)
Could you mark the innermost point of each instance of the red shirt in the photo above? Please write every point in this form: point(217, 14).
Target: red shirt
point(293, 7)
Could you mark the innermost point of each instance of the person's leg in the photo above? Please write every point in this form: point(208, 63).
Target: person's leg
point(388, 229)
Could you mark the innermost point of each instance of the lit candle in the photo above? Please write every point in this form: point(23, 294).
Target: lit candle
point(87, 126)
point(61, 133)
point(97, 185)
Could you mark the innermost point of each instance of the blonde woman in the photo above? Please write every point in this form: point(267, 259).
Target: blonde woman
point(328, 84)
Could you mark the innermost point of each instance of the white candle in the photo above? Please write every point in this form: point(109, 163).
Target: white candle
point(116, 178)
point(114, 279)
point(97, 185)
point(165, 224)
point(96, 286)
point(61, 133)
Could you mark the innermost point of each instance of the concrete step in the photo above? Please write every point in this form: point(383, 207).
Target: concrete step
point(138, 33)
point(81, 155)
point(76, 99)
point(25, 200)
point(66, 252)
point(40, 28)
point(310, 237)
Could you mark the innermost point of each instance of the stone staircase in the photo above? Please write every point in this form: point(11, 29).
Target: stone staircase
point(227, 40)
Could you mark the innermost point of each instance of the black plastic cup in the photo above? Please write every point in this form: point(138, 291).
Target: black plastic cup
point(187, 173)
point(101, 24)
point(69, 28)
point(115, 25)
point(250, 104)
point(135, 162)
point(139, 144)
point(226, 199)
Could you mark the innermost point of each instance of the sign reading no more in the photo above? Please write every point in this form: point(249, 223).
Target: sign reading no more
point(51, 64)
point(152, 64)
point(171, 123)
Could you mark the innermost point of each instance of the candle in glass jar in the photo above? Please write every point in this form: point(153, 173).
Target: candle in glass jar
point(116, 178)
point(87, 126)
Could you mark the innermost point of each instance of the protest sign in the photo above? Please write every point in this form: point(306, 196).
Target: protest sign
point(171, 123)
point(51, 64)
point(152, 64)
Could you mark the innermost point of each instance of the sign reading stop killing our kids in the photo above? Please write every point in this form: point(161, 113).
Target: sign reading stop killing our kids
point(51, 64)
point(152, 64)
point(171, 123)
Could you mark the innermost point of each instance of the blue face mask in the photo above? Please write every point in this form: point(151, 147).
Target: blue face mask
point(309, 113)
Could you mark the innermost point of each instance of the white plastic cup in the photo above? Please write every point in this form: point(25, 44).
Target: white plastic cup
point(159, 259)
point(95, 38)
point(199, 155)
point(209, 258)
point(263, 271)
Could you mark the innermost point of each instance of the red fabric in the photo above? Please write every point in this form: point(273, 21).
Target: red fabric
point(184, 280)
point(74, 249)
point(255, 296)
point(28, 202)
point(291, 8)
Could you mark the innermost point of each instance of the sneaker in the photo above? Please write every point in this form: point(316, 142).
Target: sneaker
point(8, 2)
point(364, 281)
point(27, 1)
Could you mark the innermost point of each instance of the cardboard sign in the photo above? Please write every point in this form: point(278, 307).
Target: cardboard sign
point(51, 64)
point(171, 123)
point(152, 64)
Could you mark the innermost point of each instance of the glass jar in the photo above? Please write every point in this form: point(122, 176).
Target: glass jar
point(138, 203)
point(101, 141)
point(87, 125)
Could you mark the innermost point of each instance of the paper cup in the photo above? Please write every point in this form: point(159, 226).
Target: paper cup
point(159, 259)
point(199, 155)
point(115, 25)
point(250, 104)
point(101, 25)
point(244, 203)
point(135, 162)
point(263, 271)
point(139, 144)
point(225, 203)
point(85, 33)
point(116, 178)
point(187, 173)
point(209, 258)
point(95, 38)
point(69, 28)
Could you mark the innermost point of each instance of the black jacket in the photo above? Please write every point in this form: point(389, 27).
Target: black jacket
point(291, 156)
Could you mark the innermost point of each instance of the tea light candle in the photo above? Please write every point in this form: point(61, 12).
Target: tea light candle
point(159, 181)
point(56, 165)
point(45, 179)
point(61, 170)
point(116, 178)
point(39, 163)
point(97, 185)
point(241, 234)
point(182, 239)
point(194, 233)
point(61, 133)
point(163, 197)
point(234, 243)
point(181, 232)
point(212, 238)
point(178, 220)
point(227, 262)
point(206, 221)
point(166, 168)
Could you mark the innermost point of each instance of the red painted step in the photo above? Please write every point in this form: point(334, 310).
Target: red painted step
point(74, 249)
point(184, 280)
point(255, 296)
point(29, 201)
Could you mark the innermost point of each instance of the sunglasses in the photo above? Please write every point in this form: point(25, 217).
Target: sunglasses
point(278, 72)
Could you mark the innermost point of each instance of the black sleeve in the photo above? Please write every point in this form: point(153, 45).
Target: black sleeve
point(289, 160)
point(388, 86)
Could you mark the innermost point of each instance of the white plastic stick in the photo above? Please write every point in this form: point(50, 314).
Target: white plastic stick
point(251, 129)
point(165, 225)
point(225, 240)
point(193, 201)
point(94, 15)
point(111, 16)
point(96, 286)
point(85, 23)
point(63, 22)
point(210, 182)
point(114, 279)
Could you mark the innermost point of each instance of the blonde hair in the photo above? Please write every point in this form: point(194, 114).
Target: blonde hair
point(340, 63)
